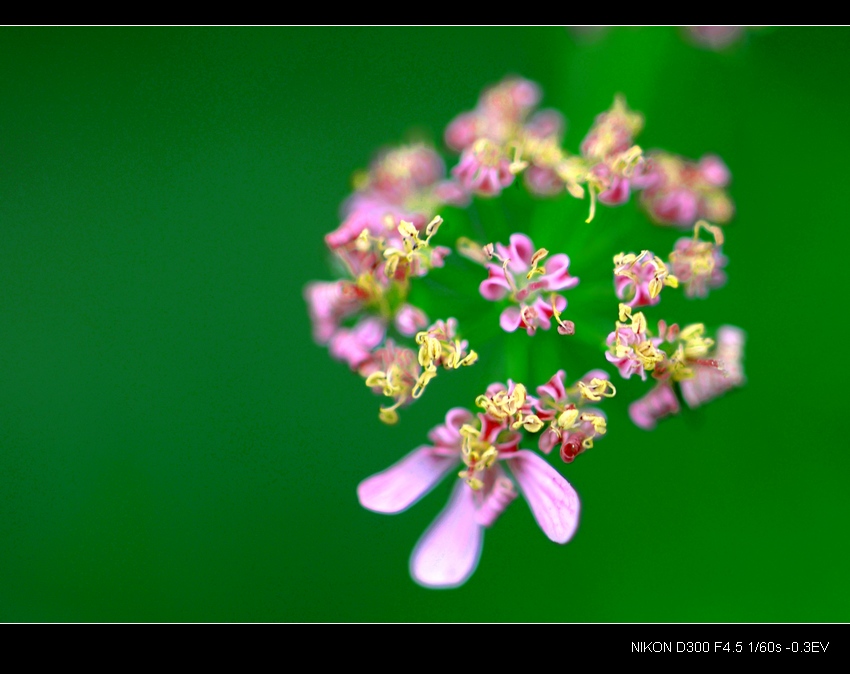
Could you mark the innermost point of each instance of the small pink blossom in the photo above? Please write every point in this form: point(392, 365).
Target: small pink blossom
point(483, 169)
point(409, 320)
point(660, 402)
point(626, 351)
point(520, 277)
point(712, 380)
point(572, 423)
point(714, 171)
point(328, 302)
point(714, 38)
point(678, 191)
point(355, 346)
point(501, 110)
point(639, 279)
point(699, 266)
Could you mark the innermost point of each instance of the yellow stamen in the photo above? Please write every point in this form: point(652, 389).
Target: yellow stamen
point(597, 389)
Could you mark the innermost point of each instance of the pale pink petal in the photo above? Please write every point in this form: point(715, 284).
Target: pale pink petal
point(410, 319)
point(448, 434)
point(495, 286)
point(546, 123)
point(449, 550)
point(500, 495)
point(617, 193)
point(553, 502)
point(405, 482)
point(714, 171)
point(660, 402)
point(547, 440)
point(554, 388)
point(521, 251)
point(557, 276)
point(510, 319)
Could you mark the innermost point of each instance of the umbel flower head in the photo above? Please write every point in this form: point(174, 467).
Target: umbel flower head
point(478, 266)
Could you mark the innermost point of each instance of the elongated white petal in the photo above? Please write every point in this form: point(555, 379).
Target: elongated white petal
point(554, 503)
point(405, 482)
point(449, 550)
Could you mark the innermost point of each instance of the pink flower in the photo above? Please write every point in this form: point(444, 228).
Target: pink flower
point(355, 346)
point(328, 303)
point(410, 319)
point(448, 552)
point(660, 402)
point(710, 380)
point(631, 351)
point(679, 191)
point(501, 109)
point(639, 279)
point(698, 265)
point(714, 37)
point(483, 169)
point(526, 282)
point(573, 425)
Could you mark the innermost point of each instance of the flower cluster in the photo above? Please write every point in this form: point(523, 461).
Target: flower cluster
point(494, 470)
point(387, 322)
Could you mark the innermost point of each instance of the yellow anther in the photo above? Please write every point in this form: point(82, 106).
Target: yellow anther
point(625, 313)
point(695, 345)
point(648, 355)
point(600, 426)
point(692, 331)
point(488, 457)
point(567, 419)
point(592, 190)
point(535, 259)
point(567, 327)
point(432, 227)
point(407, 229)
point(364, 240)
point(426, 376)
point(626, 162)
point(624, 260)
point(430, 349)
point(487, 152)
point(388, 415)
point(413, 245)
point(391, 264)
point(473, 482)
point(375, 379)
point(532, 423)
point(597, 389)
point(503, 406)
point(716, 232)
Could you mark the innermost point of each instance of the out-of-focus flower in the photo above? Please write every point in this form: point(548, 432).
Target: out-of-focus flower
point(714, 37)
point(678, 191)
point(699, 264)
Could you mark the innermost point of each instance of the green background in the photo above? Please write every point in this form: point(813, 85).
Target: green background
point(174, 447)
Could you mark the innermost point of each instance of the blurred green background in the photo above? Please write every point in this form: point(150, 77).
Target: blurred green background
point(174, 447)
